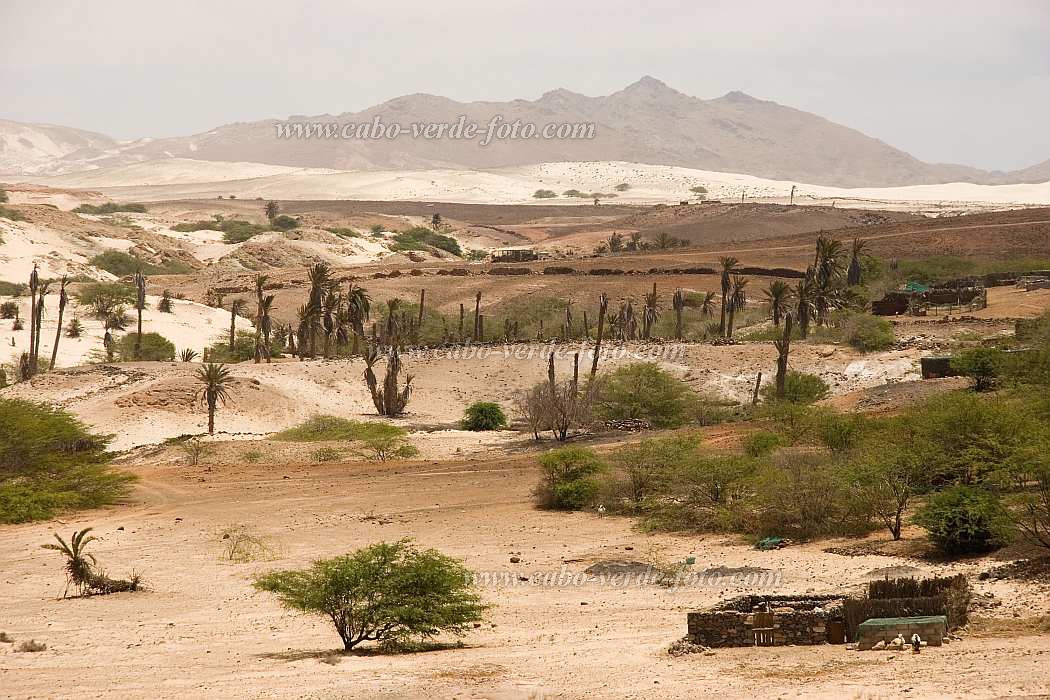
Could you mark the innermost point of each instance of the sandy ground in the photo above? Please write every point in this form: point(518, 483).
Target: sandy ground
point(182, 178)
point(200, 630)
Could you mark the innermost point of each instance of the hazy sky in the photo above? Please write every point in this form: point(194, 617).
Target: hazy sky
point(952, 81)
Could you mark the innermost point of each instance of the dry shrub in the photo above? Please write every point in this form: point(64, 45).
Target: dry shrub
point(31, 646)
point(242, 546)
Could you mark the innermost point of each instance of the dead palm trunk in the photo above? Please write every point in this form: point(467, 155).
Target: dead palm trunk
point(63, 299)
point(140, 304)
point(477, 317)
point(603, 308)
point(678, 304)
point(39, 324)
point(34, 282)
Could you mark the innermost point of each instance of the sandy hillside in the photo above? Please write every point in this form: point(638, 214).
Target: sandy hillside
point(182, 178)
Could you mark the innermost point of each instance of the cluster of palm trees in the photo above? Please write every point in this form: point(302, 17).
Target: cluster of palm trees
point(827, 286)
point(332, 318)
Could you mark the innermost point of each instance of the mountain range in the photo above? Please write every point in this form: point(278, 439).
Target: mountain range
point(646, 122)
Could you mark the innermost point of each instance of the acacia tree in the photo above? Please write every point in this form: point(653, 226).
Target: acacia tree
point(215, 380)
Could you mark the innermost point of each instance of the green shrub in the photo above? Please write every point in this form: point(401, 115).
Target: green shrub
point(982, 365)
point(569, 480)
point(3, 197)
point(799, 388)
point(544, 194)
point(965, 520)
point(381, 440)
point(233, 230)
point(50, 462)
point(383, 593)
point(703, 492)
point(868, 333)
point(482, 415)
point(644, 391)
point(122, 264)
point(111, 208)
point(762, 443)
point(643, 470)
point(345, 232)
point(12, 289)
point(284, 222)
point(155, 348)
point(838, 432)
point(243, 348)
point(326, 454)
point(420, 237)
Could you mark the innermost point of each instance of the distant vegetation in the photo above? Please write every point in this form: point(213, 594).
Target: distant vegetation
point(419, 237)
point(110, 208)
point(50, 462)
point(236, 230)
point(345, 232)
point(381, 440)
point(123, 264)
point(544, 194)
point(483, 415)
point(10, 214)
point(11, 289)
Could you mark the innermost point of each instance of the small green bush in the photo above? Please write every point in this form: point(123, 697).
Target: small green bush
point(388, 592)
point(106, 298)
point(11, 214)
point(243, 348)
point(155, 348)
point(482, 415)
point(544, 194)
point(799, 388)
point(284, 222)
point(381, 440)
point(965, 520)
point(868, 333)
point(762, 443)
point(326, 454)
point(569, 479)
point(982, 365)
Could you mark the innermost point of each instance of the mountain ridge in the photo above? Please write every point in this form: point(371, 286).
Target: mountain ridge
point(646, 122)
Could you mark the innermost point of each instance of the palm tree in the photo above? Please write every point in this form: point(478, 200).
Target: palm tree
point(263, 324)
point(216, 380)
point(188, 355)
point(778, 296)
point(63, 299)
point(140, 304)
point(783, 346)
point(358, 307)
point(737, 300)
point(853, 272)
point(707, 304)
point(272, 209)
point(805, 293)
point(728, 265)
point(320, 276)
point(236, 306)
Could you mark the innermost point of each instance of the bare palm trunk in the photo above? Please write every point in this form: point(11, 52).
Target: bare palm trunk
point(603, 307)
point(62, 300)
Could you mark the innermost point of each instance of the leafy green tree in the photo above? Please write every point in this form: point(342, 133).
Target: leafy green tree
point(644, 391)
point(965, 520)
point(890, 476)
point(387, 592)
point(483, 415)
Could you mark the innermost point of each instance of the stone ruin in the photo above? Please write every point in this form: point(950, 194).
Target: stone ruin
point(762, 620)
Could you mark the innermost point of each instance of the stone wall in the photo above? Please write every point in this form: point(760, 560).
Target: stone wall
point(793, 621)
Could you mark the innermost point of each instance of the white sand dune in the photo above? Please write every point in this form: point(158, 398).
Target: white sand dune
point(192, 326)
point(183, 178)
